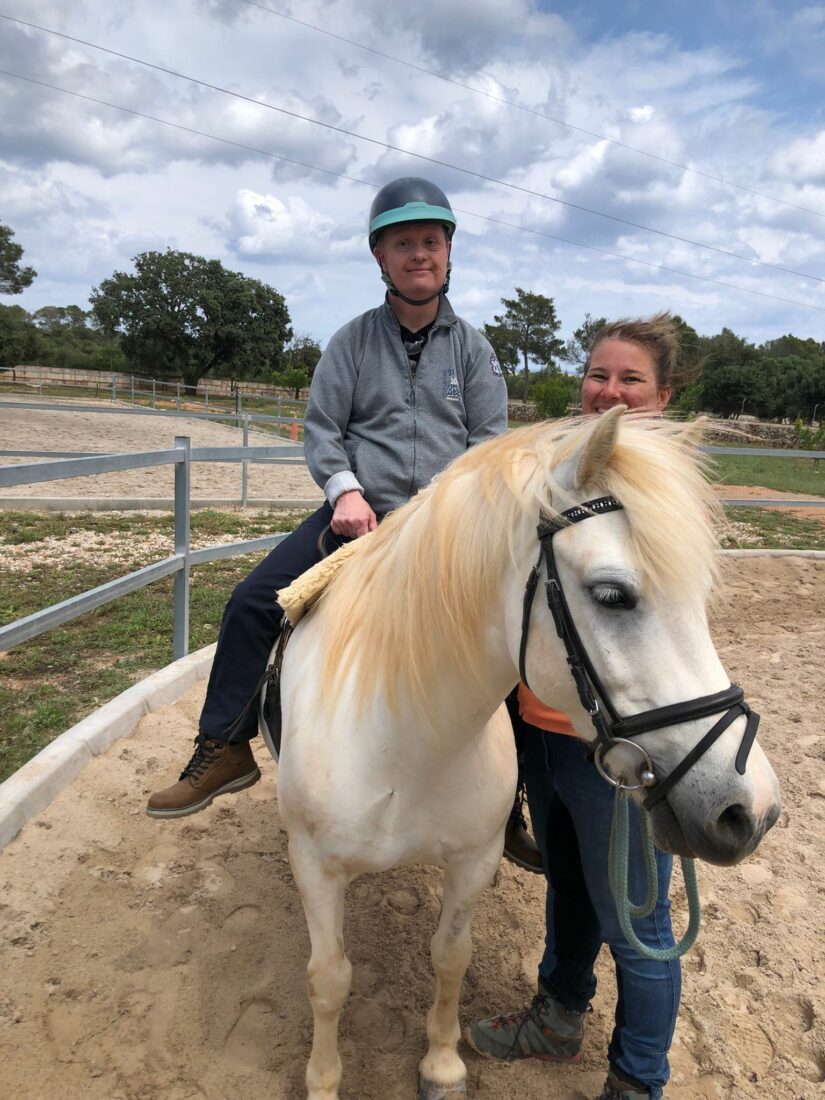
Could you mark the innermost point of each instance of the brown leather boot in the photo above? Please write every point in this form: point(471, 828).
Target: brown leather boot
point(215, 768)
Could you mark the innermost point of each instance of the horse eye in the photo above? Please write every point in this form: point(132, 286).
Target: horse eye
point(613, 597)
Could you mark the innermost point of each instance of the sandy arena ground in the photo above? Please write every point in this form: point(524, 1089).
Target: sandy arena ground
point(165, 961)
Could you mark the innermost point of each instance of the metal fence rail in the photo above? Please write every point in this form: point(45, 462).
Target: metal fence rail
point(178, 564)
point(139, 410)
point(157, 392)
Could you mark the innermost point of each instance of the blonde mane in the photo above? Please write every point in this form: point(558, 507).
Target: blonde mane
point(418, 594)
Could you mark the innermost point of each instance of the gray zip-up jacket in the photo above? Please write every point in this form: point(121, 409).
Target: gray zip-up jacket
point(377, 424)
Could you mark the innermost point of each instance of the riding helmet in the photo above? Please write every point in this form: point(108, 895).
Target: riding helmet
point(410, 199)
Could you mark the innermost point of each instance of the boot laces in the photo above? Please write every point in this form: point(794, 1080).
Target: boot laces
point(523, 1015)
point(207, 751)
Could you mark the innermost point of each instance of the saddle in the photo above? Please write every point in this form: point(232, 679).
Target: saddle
point(296, 601)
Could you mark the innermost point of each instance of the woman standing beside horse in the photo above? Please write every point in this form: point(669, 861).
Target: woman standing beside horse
point(630, 363)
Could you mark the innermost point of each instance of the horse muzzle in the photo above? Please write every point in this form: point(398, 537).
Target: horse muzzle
point(725, 837)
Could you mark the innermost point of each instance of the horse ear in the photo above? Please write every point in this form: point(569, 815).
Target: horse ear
point(693, 434)
point(595, 454)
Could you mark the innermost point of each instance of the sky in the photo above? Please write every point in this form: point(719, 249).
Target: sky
point(632, 149)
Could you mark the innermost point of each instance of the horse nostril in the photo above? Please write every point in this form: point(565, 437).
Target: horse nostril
point(735, 826)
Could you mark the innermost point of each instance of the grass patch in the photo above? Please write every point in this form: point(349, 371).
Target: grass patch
point(787, 475)
point(766, 528)
point(49, 683)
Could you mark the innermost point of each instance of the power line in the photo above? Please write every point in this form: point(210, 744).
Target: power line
point(529, 110)
point(636, 260)
point(367, 183)
point(419, 156)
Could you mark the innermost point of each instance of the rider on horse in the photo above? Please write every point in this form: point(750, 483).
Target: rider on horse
point(398, 393)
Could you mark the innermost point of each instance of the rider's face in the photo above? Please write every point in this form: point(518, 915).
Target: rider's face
point(622, 373)
point(415, 257)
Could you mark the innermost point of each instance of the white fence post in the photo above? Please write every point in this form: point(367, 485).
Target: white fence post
point(180, 603)
point(245, 465)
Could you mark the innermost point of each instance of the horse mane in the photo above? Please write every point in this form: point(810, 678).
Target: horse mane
point(417, 596)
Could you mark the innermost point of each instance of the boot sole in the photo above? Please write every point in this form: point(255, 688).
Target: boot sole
point(232, 787)
point(525, 866)
point(569, 1059)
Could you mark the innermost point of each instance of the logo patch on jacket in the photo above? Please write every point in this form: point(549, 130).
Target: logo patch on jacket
point(451, 390)
point(494, 363)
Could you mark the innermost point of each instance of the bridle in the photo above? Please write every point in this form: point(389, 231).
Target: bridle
point(611, 729)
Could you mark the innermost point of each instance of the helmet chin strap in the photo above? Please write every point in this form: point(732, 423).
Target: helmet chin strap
point(393, 289)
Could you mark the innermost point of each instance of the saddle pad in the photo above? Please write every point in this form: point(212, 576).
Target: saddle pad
point(305, 590)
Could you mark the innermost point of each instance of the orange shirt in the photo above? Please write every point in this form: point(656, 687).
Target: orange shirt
point(535, 712)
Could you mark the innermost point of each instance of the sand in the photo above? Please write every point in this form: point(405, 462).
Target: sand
point(149, 960)
point(35, 429)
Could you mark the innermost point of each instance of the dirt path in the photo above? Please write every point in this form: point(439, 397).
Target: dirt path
point(165, 961)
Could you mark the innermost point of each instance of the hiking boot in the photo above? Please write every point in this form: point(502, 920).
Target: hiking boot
point(215, 768)
point(617, 1087)
point(545, 1030)
point(519, 846)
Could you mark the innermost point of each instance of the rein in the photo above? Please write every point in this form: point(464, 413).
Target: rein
point(612, 730)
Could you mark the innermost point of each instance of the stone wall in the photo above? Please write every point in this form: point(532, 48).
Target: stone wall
point(743, 432)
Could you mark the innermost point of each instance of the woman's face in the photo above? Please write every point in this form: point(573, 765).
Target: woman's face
point(622, 373)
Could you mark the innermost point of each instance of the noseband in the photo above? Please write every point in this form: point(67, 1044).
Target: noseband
point(611, 729)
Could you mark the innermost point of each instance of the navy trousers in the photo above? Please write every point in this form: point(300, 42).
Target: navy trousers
point(571, 808)
point(250, 626)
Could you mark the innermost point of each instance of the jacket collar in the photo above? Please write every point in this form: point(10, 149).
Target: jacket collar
point(444, 317)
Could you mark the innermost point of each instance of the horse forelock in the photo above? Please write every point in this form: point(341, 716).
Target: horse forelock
point(417, 599)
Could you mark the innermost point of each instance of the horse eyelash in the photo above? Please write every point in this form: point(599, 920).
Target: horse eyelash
point(610, 594)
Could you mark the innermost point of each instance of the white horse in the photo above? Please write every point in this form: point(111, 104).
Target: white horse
point(396, 748)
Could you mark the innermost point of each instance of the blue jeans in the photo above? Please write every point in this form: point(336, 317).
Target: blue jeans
point(249, 628)
point(571, 807)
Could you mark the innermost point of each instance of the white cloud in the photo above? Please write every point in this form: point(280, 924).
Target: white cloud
point(642, 114)
point(86, 188)
point(802, 161)
point(265, 226)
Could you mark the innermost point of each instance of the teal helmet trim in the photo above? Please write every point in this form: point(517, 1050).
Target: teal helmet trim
point(413, 212)
point(409, 199)
point(406, 200)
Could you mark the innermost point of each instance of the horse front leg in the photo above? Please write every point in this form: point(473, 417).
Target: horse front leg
point(329, 972)
point(442, 1074)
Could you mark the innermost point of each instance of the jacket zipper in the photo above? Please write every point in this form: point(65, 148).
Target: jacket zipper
point(413, 368)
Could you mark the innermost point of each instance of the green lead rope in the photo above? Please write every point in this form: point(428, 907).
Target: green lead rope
point(618, 866)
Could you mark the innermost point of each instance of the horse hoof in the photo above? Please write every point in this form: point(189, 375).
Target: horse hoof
point(429, 1090)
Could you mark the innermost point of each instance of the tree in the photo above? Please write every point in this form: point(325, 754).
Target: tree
point(577, 349)
point(292, 379)
point(691, 355)
point(302, 353)
point(66, 337)
point(790, 345)
point(184, 316)
point(506, 350)
point(18, 337)
point(553, 395)
point(13, 278)
point(531, 324)
point(59, 319)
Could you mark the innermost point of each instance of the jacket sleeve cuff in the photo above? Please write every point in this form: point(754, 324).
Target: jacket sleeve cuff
point(343, 482)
